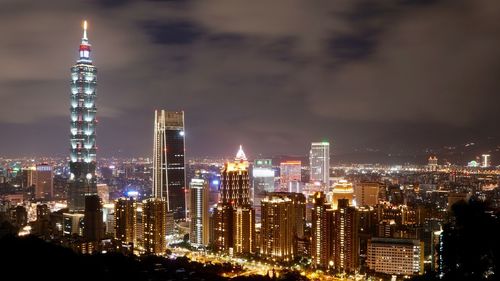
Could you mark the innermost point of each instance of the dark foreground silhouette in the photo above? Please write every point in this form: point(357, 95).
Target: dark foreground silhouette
point(30, 258)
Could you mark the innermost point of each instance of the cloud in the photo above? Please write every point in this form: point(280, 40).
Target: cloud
point(272, 74)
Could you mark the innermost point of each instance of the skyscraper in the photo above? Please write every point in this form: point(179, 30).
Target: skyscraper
point(321, 244)
point(290, 174)
point(345, 239)
point(126, 220)
point(154, 212)
point(198, 224)
point(234, 217)
point(262, 182)
point(277, 232)
point(235, 182)
point(93, 225)
point(83, 123)
point(169, 175)
point(319, 161)
point(44, 185)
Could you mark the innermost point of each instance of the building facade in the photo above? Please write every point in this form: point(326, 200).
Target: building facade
point(290, 175)
point(396, 256)
point(319, 162)
point(154, 220)
point(262, 183)
point(169, 176)
point(345, 238)
point(44, 183)
point(198, 223)
point(83, 110)
point(126, 220)
point(278, 232)
point(366, 193)
point(321, 232)
point(234, 216)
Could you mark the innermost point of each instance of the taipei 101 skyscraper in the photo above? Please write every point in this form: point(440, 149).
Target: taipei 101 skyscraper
point(83, 123)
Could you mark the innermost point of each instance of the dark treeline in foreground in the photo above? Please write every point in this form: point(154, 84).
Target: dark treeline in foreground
point(470, 244)
point(24, 258)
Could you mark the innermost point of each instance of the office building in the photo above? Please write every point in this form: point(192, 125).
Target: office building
point(83, 110)
point(234, 217)
point(396, 256)
point(93, 225)
point(169, 174)
point(198, 223)
point(44, 184)
point(290, 175)
point(126, 220)
point(154, 220)
point(319, 162)
point(235, 182)
point(262, 182)
point(366, 193)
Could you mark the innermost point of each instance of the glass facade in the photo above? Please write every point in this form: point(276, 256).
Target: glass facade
point(169, 175)
point(83, 128)
point(319, 160)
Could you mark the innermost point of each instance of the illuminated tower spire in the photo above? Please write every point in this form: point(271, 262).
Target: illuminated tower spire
point(240, 156)
point(84, 38)
point(85, 46)
point(83, 125)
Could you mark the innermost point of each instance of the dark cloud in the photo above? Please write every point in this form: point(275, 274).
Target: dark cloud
point(273, 75)
point(173, 32)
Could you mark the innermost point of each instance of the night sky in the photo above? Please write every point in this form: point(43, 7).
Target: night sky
point(371, 76)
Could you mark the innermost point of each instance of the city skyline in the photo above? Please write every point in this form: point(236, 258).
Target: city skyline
point(164, 55)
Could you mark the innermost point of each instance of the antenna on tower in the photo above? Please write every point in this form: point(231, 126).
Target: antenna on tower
point(85, 30)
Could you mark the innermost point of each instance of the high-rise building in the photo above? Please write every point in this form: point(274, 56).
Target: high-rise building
point(432, 163)
point(44, 184)
point(321, 230)
point(223, 227)
point(154, 220)
point(234, 217)
point(28, 176)
point(126, 220)
point(83, 128)
point(169, 174)
point(262, 182)
point(366, 193)
point(485, 161)
point(319, 162)
point(93, 225)
point(198, 223)
point(244, 229)
point(277, 233)
point(234, 184)
point(345, 238)
point(396, 256)
point(342, 190)
point(290, 174)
